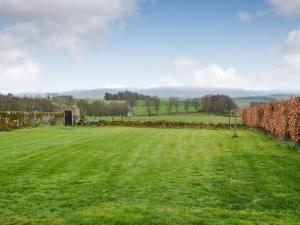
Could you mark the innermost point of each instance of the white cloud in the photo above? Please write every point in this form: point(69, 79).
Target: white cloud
point(286, 75)
point(204, 75)
point(66, 43)
point(214, 75)
point(18, 35)
point(288, 8)
point(292, 42)
point(64, 25)
point(184, 63)
point(17, 72)
point(64, 11)
point(291, 57)
point(245, 17)
point(58, 25)
point(291, 61)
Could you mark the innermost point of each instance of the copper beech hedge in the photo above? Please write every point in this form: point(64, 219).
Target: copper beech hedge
point(281, 119)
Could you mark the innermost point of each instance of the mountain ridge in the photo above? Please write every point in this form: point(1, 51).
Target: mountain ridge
point(181, 92)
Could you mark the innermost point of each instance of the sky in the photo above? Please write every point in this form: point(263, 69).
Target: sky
point(61, 45)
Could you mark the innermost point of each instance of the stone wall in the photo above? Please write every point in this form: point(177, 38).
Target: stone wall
point(14, 120)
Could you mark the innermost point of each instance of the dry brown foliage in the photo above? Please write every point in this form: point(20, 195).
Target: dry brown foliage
point(281, 119)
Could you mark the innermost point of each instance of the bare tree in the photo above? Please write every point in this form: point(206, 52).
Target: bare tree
point(84, 107)
point(196, 104)
point(170, 105)
point(176, 104)
point(148, 104)
point(187, 103)
point(156, 102)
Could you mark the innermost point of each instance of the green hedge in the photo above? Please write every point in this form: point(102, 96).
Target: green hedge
point(158, 124)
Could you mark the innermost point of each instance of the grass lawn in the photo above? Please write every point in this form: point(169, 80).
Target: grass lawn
point(190, 117)
point(146, 176)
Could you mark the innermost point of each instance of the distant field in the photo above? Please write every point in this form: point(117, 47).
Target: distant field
point(191, 117)
point(245, 101)
point(242, 102)
point(140, 108)
point(146, 176)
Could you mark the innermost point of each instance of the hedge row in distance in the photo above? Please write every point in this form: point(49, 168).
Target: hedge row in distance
point(156, 124)
point(281, 119)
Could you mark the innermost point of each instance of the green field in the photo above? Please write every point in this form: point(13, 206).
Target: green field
point(140, 108)
point(244, 102)
point(190, 117)
point(67, 175)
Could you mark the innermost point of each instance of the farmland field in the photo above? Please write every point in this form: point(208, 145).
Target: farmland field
point(140, 108)
point(189, 117)
point(69, 175)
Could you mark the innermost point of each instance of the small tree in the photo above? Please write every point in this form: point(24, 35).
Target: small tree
point(170, 105)
point(156, 101)
point(117, 109)
point(97, 108)
point(148, 104)
point(84, 107)
point(187, 103)
point(176, 104)
point(196, 104)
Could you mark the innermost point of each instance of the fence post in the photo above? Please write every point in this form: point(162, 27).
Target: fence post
point(230, 115)
point(235, 126)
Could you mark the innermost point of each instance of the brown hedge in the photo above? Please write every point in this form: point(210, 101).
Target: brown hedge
point(281, 119)
point(13, 120)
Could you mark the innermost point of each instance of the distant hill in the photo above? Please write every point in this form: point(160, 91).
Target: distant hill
point(281, 97)
point(245, 101)
point(181, 92)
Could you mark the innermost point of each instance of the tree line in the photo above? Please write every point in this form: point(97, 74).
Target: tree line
point(218, 104)
point(125, 95)
point(130, 97)
point(51, 103)
point(101, 108)
point(12, 103)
